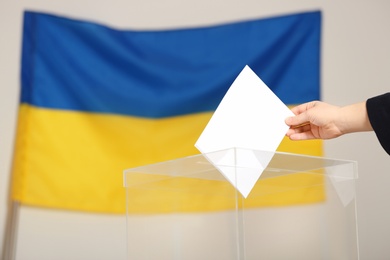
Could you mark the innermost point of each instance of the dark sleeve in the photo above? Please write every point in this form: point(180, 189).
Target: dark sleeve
point(378, 110)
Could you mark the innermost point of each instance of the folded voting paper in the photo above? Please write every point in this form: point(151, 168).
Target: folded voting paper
point(250, 116)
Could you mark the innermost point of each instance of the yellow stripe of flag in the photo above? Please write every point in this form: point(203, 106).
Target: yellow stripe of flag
point(102, 146)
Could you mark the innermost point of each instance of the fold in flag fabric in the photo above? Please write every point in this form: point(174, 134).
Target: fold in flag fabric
point(96, 101)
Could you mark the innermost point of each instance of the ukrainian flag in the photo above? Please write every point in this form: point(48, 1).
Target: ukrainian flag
point(96, 100)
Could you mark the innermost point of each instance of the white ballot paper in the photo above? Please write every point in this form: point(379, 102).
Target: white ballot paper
point(250, 117)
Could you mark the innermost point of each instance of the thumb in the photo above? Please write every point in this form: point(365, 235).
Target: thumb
point(297, 120)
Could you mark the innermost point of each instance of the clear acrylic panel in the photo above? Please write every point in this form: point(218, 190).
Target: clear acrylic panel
point(301, 207)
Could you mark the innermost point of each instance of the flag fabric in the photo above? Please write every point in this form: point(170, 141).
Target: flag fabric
point(96, 100)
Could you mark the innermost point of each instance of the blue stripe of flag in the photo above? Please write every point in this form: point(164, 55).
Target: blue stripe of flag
point(83, 66)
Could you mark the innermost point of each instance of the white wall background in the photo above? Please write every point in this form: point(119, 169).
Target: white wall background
point(355, 65)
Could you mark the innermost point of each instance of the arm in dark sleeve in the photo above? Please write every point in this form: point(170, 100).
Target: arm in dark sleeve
point(378, 110)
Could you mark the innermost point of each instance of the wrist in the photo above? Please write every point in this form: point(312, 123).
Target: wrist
point(354, 118)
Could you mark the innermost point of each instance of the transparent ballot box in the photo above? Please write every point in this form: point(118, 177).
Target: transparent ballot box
point(301, 207)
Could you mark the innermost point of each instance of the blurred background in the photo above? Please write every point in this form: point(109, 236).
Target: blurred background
point(355, 60)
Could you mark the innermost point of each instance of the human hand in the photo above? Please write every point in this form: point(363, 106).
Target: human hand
point(315, 120)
